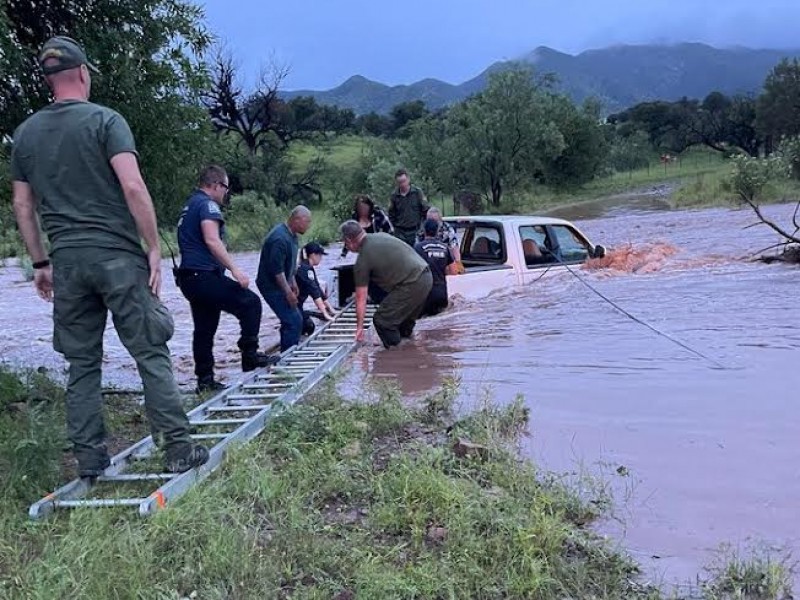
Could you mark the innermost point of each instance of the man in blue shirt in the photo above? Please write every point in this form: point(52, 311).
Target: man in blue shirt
point(201, 278)
point(276, 271)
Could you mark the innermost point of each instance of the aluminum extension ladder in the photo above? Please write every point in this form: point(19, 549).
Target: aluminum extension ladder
point(235, 415)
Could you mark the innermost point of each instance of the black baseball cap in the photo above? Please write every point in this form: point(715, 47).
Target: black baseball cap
point(62, 53)
point(314, 248)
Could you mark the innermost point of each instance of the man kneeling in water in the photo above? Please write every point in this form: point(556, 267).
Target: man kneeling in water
point(397, 269)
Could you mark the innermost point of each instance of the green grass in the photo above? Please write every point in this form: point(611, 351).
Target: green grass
point(714, 189)
point(340, 153)
point(751, 573)
point(335, 499)
point(357, 500)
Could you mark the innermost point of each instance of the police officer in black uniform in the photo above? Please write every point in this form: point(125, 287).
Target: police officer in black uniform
point(439, 258)
point(201, 278)
point(308, 285)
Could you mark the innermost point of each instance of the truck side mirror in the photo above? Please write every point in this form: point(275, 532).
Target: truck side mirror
point(599, 251)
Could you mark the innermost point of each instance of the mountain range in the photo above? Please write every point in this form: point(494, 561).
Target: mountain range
point(619, 76)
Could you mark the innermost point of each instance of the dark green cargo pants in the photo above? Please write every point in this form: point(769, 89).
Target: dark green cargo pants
point(409, 236)
point(399, 310)
point(88, 283)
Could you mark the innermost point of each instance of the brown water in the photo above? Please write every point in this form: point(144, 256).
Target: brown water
point(712, 454)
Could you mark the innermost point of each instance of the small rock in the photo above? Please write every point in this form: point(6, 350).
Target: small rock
point(436, 535)
point(463, 448)
point(352, 450)
point(345, 595)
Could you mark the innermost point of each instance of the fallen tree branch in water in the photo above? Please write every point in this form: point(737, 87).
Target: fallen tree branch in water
point(790, 255)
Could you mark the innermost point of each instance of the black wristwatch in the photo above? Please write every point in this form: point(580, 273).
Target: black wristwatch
point(41, 264)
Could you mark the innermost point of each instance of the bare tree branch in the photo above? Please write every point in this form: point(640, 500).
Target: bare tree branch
point(252, 116)
point(775, 227)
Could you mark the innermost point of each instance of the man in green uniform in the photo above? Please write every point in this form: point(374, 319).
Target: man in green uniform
point(407, 208)
point(75, 163)
point(398, 270)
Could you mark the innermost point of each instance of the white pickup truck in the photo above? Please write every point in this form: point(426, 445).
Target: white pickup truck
point(500, 252)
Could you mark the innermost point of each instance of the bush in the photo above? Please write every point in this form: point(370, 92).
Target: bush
point(790, 150)
point(250, 217)
point(752, 177)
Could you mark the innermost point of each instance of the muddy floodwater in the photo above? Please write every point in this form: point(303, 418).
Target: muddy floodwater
point(709, 455)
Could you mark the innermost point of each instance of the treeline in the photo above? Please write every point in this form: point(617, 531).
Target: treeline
point(754, 125)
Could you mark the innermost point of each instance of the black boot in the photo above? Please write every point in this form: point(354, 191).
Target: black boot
point(208, 384)
point(252, 359)
point(192, 456)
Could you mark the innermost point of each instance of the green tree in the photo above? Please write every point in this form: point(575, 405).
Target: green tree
point(374, 124)
point(585, 148)
point(630, 152)
point(149, 52)
point(778, 109)
point(666, 123)
point(405, 113)
point(427, 154)
point(504, 134)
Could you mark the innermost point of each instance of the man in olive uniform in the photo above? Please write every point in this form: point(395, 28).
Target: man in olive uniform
point(76, 164)
point(396, 268)
point(407, 208)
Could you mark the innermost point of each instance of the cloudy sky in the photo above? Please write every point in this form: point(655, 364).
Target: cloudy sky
point(326, 41)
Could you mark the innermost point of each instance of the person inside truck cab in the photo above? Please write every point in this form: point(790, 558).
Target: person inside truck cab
point(534, 246)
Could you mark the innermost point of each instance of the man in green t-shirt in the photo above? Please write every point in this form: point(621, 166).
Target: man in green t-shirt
point(75, 163)
point(396, 268)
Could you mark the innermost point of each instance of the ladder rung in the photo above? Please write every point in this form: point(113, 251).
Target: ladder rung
point(304, 361)
point(136, 477)
point(212, 422)
point(97, 502)
point(209, 436)
point(255, 407)
point(327, 346)
point(262, 386)
point(251, 396)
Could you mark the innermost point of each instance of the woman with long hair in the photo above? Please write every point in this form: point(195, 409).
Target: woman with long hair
point(371, 217)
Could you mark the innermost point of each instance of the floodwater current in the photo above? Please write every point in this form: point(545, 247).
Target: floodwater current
point(699, 455)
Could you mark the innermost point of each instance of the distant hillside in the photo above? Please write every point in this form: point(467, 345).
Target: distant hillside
point(619, 76)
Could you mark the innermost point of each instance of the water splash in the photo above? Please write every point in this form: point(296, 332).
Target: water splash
point(630, 258)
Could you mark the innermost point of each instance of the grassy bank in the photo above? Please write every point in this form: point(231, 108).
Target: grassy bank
point(335, 500)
